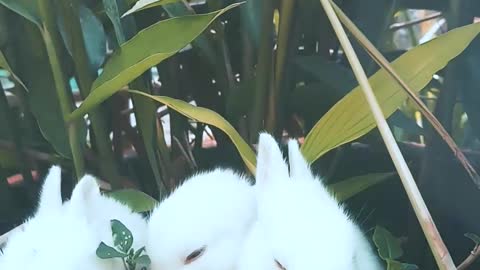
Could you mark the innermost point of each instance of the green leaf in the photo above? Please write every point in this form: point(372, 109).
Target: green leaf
point(122, 236)
point(138, 252)
point(26, 8)
point(136, 200)
point(94, 35)
point(129, 62)
point(209, 117)
point(144, 4)
point(143, 260)
point(396, 265)
point(350, 118)
point(4, 64)
point(388, 246)
point(475, 238)
point(346, 189)
point(107, 252)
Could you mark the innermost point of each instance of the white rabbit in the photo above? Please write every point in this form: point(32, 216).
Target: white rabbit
point(300, 225)
point(65, 236)
point(202, 224)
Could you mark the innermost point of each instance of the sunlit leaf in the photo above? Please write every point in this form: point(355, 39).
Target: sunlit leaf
point(129, 62)
point(209, 117)
point(351, 118)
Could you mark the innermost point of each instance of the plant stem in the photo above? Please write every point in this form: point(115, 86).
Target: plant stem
point(86, 76)
point(52, 40)
point(263, 71)
point(287, 9)
point(439, 250)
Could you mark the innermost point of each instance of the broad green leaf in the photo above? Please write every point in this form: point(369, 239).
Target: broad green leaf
point(122, 236)
point(138, 252)
point(129, 62)
point(136, 200)
point(4, 64)
point(475, 238)
point(396, 265)
point(209, 117)
point(388, 246)
point(106, 252)
point(25, 8)
point(346, 189)
point(350, 118)
point(144, 4)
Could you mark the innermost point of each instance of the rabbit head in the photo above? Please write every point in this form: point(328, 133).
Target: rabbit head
point(202, 224)
point(299, 224)
point(63, 235)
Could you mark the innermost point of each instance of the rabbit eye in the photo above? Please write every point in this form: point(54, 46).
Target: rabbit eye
point(194, 255)
point(279, 265)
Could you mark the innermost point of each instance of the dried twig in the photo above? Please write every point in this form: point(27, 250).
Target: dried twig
point(432, 16)
point(474, 254)
point(439, 250)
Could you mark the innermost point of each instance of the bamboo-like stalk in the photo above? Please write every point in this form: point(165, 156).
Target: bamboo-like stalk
point(52, 40)
point(86, 76)
point(439, 250)
point(383, 62)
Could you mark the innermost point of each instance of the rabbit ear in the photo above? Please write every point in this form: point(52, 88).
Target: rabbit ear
point(298, 165)
point(51, 196)
point(271, 166)
point(84, 195)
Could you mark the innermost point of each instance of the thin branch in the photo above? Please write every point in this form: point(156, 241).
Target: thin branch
point(439, 250)
point(474, 254)
point(401, 25)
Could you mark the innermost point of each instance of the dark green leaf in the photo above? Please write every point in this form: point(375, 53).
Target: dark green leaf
point(128, 62)
point(122, 236)
point(143, 260)
point(94, 35)
point(4, 64)
point(388, 246)
point(138, 253)
point(107, 252)
point(136, 200)
point(346, 189)
point(26, 8)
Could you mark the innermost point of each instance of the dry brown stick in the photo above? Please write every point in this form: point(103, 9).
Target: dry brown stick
point(383, 62)
point(470, 259)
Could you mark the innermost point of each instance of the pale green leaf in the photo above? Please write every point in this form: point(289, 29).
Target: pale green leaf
point(148, 48)
point(346, 189)
point(351, 118)
point(144, 4)
point(135, 199)
point(209, 117)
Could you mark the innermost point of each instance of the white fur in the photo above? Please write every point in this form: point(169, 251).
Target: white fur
point(66, 236)
point(299, 223)
point(212, 209)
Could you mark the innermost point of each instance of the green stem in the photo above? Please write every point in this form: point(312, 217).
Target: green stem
point(263, 71)
point(86, 76)
point(286, 15)
point(52, 40)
